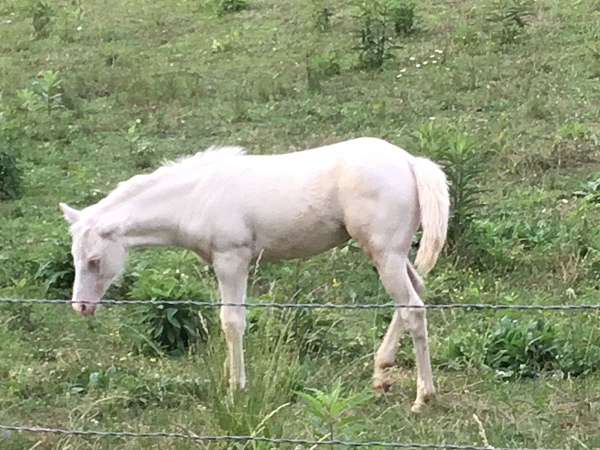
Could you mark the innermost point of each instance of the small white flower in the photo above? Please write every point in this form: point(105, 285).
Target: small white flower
point(432, 118)
point(403, 70)
point(425, 63)
point(432, 56)
point(438, 51)
point(79, 28)
point(418, 66)
point(434, 62)
point(412, 58)
point(399, 75)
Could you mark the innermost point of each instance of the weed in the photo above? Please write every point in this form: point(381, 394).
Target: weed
point(274, 378)
point(574, 131)
point(41, 19)
point(141, 150)
point(402, 14)
point(462, 160)
point(11, 175)
point(56, 270)
point(172, 328)
point(590, 190)
point(222, 7)
point(321, 67)
point(519, 348)
point(332, 412)
point(509, 19)
point(321, 16)
point(45, 93)
point(374, 33)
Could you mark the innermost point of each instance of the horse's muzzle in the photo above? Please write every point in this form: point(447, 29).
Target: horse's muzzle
point(85, 309)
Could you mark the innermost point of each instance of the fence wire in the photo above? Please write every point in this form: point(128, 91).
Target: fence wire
point(242, 439)
point(273, 305)
point(291, 441)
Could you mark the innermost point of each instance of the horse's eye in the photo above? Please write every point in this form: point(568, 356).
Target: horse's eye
point(94, 263)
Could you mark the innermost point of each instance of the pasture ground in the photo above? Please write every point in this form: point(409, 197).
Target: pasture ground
point(145, 81)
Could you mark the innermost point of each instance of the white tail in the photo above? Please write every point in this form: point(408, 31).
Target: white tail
point(434, 202)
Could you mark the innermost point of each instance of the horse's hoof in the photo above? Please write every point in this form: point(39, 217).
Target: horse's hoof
point(417, 408)
point(421, 402)
point(381, 386)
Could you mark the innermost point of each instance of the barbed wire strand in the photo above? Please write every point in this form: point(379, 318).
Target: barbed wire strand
point(204, 304)
point(224, 438)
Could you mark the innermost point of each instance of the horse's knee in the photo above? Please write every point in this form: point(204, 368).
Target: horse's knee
point(233, 321)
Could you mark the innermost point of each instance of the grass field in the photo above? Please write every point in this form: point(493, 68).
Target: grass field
point(94, 92)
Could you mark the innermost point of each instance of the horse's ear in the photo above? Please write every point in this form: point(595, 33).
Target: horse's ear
point(71, 214)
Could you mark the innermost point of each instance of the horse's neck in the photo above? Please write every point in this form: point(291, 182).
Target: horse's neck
point(151, 217)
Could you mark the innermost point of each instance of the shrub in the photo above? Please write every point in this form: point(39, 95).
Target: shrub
point(11, 175)
point(172, 328)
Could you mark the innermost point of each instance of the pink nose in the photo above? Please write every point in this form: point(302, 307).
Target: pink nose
point(85, 309)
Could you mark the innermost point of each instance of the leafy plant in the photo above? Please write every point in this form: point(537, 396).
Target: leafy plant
point(402, 14)
point(590, 190)
point(509, 19)
point(321, 67)
point(462, 161)
point(48, 87)
point(172, 328)
point(56, 270)
point(41, 19)
point(579, 354)
point(333, 411)
point(223, 7)
point(374, 32)
point(321, 16)
point(11, 175)
point(141, 150)
point(520, 348)
point(45, 93)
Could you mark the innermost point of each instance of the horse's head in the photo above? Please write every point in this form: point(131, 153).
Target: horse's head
point(98, 256)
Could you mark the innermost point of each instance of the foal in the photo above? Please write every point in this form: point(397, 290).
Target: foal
point(230, 207)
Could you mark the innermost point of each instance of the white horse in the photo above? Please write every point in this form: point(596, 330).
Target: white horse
point(232, 208)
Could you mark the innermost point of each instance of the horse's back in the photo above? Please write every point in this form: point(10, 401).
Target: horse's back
point(300, 204)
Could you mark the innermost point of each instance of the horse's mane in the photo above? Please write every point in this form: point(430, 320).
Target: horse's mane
point(136, 184)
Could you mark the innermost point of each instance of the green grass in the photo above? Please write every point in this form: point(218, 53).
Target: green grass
point(189, 78)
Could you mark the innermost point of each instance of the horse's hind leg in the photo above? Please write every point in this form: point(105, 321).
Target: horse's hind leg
point(386, 354)
point(394, 270)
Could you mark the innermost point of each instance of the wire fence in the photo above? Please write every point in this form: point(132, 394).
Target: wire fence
point(273, 305)
point(259, 439)
point(281, 441)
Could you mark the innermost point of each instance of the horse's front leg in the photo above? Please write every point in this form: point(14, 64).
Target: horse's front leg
point(231, 269)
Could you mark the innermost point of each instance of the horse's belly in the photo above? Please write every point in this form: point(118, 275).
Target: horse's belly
point(301, 242)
